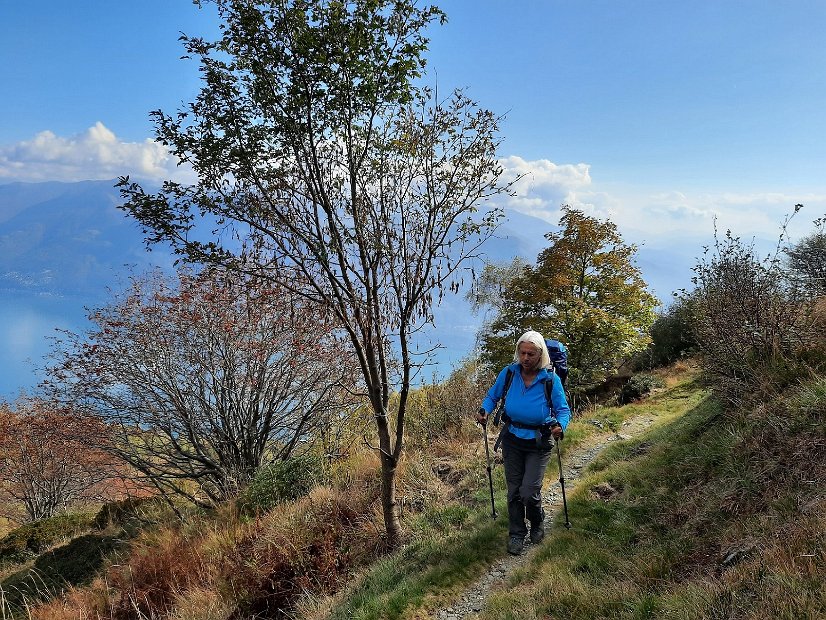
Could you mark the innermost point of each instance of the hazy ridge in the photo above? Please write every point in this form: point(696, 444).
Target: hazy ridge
point(64, 246)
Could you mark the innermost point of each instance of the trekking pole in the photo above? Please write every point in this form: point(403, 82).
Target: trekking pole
point(562, 482)
point(490, 474)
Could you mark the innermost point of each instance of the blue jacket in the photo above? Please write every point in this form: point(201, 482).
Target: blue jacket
point(528, 405)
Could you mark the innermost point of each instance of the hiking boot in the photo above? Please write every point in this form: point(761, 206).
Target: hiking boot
point(515, 544)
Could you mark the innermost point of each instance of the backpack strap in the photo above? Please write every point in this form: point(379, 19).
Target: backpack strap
point(549, 388)
point(501, 408)
point(502, 415)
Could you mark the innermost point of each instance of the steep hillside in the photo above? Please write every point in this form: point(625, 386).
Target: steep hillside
point(678, 510)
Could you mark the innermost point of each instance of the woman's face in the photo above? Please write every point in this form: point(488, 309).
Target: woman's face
point(529, 356)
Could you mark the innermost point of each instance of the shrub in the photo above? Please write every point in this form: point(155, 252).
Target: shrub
point(750, 321)
point(671, 337)
point(31, 539)
point(282, 481)
point(807, 261)
point(441, 408)
point(638, 386)
point(131, 513)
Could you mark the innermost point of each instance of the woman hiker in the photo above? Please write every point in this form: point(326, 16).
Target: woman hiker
point(535, 409)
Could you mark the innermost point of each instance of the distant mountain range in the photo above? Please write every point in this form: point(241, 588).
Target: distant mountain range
point(64, 246)
point(66, 239)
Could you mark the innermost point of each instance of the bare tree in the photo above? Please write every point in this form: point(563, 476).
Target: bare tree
point(46, 462)
point(203, 379)
point(312, 141)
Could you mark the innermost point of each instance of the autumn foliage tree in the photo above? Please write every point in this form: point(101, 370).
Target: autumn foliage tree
point(203, 378)
point(584, 290)
point(314, 141)
point(48, 460)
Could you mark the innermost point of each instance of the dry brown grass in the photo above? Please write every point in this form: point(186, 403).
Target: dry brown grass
point(819, 314)
point(777, 578)
point(305, 547)
point(160, 566)
point(679, 372)
point(220, 567)
point(6, 526)
point(88, 603)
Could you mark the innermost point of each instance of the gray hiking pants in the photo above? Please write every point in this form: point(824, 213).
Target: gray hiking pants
point(525, 464)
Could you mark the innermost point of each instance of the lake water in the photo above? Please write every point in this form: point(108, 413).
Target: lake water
point(27, 322)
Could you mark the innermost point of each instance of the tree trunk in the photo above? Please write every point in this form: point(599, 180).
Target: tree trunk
point(389, 462)
point(390, 507)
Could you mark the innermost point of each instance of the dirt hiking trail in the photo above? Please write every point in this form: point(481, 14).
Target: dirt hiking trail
point(471, 601)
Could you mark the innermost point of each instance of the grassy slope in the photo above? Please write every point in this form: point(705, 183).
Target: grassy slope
point(715, 517)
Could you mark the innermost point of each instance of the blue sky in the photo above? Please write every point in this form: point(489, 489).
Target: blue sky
point(700, 94)
point(659, 115)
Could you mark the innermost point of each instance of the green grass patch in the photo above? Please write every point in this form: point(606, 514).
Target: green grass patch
point(452, 546)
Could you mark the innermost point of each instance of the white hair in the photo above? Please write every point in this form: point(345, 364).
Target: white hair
point(536, 339)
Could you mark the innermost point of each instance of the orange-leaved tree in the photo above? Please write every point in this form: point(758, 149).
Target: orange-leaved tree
point(584, 290)
point(50, 459)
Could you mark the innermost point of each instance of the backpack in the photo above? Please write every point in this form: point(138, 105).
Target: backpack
point(559, 358)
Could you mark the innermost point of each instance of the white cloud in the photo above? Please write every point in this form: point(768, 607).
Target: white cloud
point(755, 214)
point(96, 154)
point(652, 214)
point(542, 186)
point(642, 213)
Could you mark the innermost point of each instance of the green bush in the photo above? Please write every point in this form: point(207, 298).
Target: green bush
point(757, 318)
point(671, 337)
point(31, 539)
point(131, 513)
point(282, 481)
point(638, 386)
